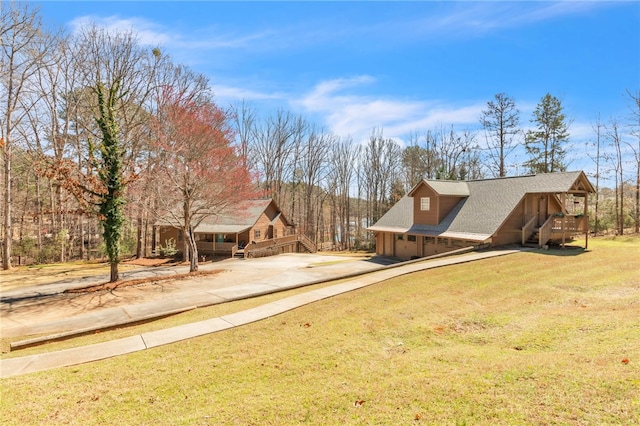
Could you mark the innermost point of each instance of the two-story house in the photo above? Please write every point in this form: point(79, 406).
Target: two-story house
point(438, 216)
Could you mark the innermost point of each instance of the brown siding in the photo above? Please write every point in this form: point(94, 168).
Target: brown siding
point(441, 206)
point(405, 249)
point(380, 243)
point(532, 202)
point(555, 205)
point(425, 217)
point(280, 228)
point(262, 224)
point(388, 243)
point(446, 204)
point(511, 230)
point(168, 232)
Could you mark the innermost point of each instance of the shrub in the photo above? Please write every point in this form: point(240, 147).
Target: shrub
point(169, 250)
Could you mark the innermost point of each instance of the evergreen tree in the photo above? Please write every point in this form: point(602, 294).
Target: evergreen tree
point(545, 144)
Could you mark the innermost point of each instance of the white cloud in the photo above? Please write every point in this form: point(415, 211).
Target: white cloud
point(230, 94)
point(468, 19)
point(153, 34)
point(346, 113)
point(147, 32)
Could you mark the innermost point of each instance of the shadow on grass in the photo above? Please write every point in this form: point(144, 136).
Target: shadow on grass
point(567, 251)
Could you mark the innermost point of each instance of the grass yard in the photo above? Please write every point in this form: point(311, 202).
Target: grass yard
point(548, 337)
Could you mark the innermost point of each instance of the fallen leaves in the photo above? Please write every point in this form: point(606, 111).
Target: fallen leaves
point(625, 361)
point(359, 403)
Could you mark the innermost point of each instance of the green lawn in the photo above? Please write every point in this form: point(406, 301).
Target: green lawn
point(548, 337)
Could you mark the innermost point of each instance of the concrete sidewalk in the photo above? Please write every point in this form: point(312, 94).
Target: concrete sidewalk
point(363, 275)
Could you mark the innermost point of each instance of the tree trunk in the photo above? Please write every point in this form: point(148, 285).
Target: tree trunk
point(193, 248)
point(114, 272)
point(8, 233)
point(637, 216)
point(39, 213)
point(140, 239)
point(83, 251)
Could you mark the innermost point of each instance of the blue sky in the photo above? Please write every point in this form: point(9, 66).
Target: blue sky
point(400, 66)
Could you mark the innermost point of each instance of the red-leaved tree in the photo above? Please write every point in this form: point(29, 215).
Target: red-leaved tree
point(199, 173)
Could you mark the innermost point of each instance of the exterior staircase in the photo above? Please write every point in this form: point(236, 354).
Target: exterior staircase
point(532, 241)
point(307, 244)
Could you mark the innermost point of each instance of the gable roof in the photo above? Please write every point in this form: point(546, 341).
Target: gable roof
point(444, 187)
point(238, 218)
point(490, 202)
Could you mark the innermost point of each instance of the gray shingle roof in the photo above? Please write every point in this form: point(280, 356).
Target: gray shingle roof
point(480, 215)
point(447, 187)
point(238, 219)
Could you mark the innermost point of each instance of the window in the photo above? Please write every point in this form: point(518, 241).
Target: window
point(275, 232)
point(399, 237)
point(411, 238)
point(425, 203)
point(256, 234)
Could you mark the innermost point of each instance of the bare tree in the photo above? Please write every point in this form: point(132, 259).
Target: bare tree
point(457, 155)
point(415, 162)
point(617, 160)
point(22, 47)
point(196, 157)
point(634, 124)
point(272, 151)
point(597, 128)
point(343, 158)
point(313, 163)
point(244, 118)
point(500, 121)
point(379, 164)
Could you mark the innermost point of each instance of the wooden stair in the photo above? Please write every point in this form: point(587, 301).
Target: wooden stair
point(532, 241)
point(307, 244)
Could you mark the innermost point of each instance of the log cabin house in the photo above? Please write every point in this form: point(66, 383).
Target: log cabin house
point(438, 216)
point(253, 228)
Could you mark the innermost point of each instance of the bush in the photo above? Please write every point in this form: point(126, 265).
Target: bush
point(169, 250)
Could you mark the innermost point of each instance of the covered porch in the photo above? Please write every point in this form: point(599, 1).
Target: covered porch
point(563, 219)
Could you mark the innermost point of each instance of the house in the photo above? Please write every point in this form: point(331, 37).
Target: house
point(253, 226)
point(438, 216)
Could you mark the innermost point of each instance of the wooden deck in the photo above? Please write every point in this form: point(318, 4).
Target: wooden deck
point(556, 229)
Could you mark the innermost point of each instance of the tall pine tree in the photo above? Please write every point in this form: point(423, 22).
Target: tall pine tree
point(544, 145)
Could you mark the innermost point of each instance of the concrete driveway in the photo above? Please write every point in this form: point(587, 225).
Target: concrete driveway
point(296, 270)
point(47, 309)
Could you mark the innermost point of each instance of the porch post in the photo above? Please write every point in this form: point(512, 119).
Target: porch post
point(586, 220)
point(563, 199)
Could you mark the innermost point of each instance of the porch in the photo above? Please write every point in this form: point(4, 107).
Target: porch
point(557, 229)
point(289, 244)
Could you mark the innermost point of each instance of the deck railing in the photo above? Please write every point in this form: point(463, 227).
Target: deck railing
point(569, 223)
point(276, 245)
point(309, 245)
point(544, 233)
point(214, 247)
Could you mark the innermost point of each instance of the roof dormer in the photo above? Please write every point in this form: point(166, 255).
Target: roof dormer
point(434, 199)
